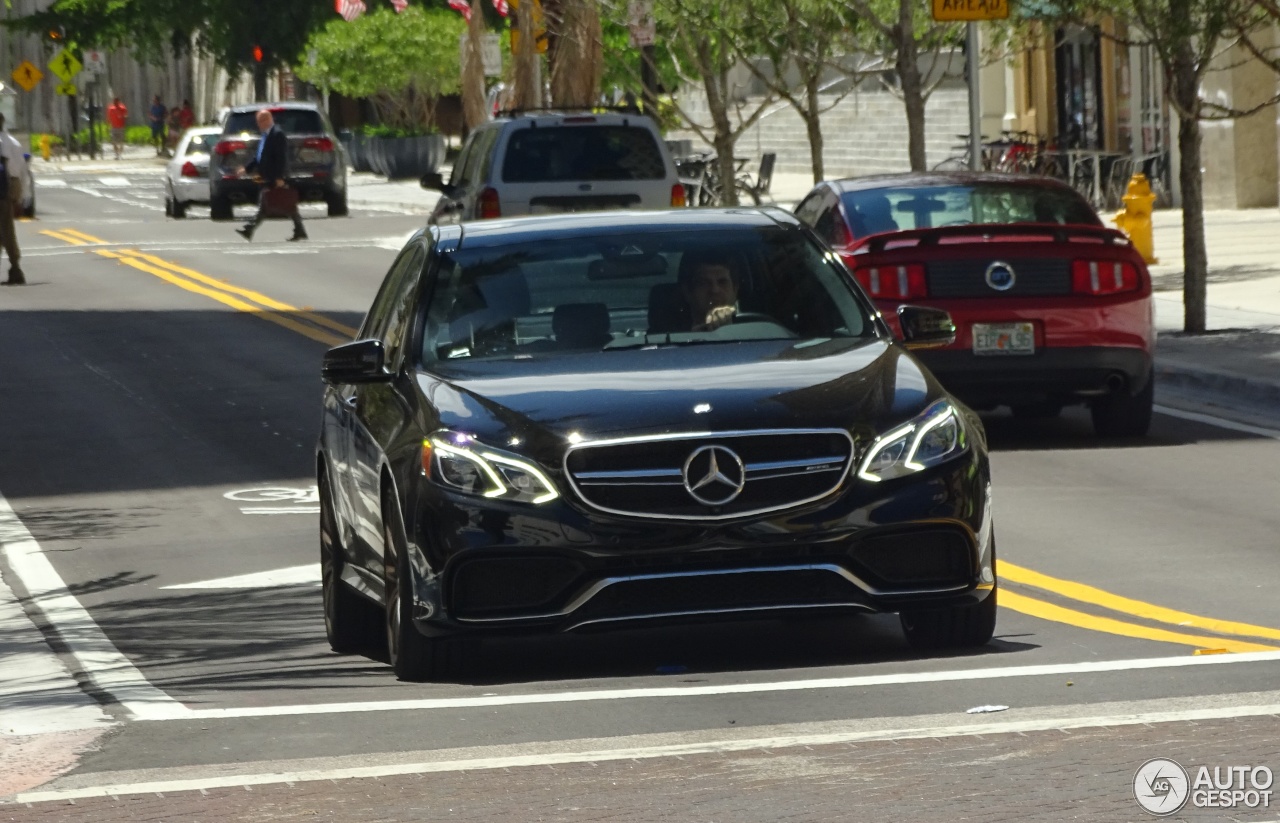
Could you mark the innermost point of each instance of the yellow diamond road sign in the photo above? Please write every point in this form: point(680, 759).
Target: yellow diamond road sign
point(65, 65)
point(27, 75)
point(66, 89)
point(950, 10)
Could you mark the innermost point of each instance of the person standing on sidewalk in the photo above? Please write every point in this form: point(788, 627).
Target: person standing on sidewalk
point(118, 117)
point(155, 117)
point(270, 165)
point(15, 166)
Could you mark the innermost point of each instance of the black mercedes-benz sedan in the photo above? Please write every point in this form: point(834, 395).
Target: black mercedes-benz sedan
point(577, 422)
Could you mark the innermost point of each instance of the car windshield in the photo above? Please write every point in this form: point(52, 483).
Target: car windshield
point(201, 143)
point(290, 121)
point(922, 207)
point(613, 292)
point(598, 153)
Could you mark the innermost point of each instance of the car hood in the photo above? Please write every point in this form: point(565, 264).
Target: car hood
point(862, 386)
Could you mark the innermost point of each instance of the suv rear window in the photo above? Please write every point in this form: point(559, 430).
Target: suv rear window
point(290, 121)
point(546, 155)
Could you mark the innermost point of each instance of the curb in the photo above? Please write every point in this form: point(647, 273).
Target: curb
point(1177, 374)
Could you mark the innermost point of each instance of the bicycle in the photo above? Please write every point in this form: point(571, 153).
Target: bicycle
point(700, 174)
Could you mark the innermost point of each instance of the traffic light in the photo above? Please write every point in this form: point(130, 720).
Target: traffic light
point(257, 54)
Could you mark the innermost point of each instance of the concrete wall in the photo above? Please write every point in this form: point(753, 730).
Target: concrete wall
point(1240, 157)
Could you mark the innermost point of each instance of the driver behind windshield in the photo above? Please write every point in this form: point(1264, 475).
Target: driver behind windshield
point(709, 284)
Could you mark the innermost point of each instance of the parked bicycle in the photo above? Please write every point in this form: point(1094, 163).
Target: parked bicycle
point(700, 174)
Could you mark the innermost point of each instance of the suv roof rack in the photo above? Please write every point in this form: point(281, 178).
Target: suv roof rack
point(533, 112)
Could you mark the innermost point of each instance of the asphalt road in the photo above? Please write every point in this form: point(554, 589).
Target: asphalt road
point(163, 388)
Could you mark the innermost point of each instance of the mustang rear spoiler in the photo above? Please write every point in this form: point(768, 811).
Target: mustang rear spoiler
point(989, 233)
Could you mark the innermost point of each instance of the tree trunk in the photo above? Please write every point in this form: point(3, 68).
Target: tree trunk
point(912, 84)
point(715, 79)
point(473, 103)
point(260, 82)
point(1195, 258)
point(525, 77)
point(578, 62)
point(813, 125)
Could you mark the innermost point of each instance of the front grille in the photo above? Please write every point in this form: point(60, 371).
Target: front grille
point(1033, 277)
point(719, 592)
point(754, 472)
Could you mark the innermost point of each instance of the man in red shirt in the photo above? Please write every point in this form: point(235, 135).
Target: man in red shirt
point(117, 116)
point(186, 116)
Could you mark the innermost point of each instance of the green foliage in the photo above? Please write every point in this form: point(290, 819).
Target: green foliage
point(402, 63)
point(35, 139)
point(622, 60)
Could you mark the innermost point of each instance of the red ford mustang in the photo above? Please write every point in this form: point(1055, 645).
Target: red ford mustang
point(1051, 308)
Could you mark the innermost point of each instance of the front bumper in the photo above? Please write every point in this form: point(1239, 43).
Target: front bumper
point(918, 542)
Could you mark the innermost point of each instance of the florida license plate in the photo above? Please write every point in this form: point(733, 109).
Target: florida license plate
point(1004, 338)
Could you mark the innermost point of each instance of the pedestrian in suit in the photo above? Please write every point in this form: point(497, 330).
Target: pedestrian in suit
point(14, 170)
point(270, 165)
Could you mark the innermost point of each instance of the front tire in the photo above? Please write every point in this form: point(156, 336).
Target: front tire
point(959, 627)
point(337, 205)
point(414, 656)
point(350, 623)
point(1121, 414)
point(179, 209)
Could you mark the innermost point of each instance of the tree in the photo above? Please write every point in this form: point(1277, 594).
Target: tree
point(576, 53)
point(403, 63)
point(904, 32)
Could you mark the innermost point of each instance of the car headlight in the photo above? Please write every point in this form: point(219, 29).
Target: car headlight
point(460, 463)
point(933, 438)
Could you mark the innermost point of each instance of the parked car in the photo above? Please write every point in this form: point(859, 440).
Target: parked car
point(544, 162)
point(28, 190)
point(186, 176)
point(317, 168)
point(537, 429)
point(1051, 308)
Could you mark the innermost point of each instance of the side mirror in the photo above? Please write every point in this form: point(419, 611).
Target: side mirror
point(360, 362)
point(924, 328)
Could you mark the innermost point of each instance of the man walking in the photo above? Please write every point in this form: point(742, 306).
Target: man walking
point(11, 176)
point(118, 117)
point(270, 167)
point(155, 117)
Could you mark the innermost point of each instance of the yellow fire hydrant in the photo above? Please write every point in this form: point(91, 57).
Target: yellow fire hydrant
point(1135, 219)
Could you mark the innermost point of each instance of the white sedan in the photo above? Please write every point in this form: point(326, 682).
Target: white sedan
point(186, 177)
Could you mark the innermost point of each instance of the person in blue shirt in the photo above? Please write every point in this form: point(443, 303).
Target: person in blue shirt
point(155, 117)
point(270, 165)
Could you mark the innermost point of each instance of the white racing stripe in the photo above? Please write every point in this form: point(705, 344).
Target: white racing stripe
point(669, 692)
point(95, 654)
point(718, 741)
point(1220, 422)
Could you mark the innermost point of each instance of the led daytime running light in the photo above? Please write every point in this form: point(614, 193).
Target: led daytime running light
point(486, 460)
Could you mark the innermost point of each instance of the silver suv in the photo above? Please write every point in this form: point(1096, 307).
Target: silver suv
point(546, 162)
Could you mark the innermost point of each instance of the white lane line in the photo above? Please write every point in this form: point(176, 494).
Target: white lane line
point(93, 192)
point(294, 576)
point(50, 183)
point(37, 693)
point(280, 510)
point(428, 704)
point(95, 654)
point(1064, 720)
point(1220, 422)
point(115, 182)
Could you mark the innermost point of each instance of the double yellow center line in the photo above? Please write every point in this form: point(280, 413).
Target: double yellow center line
point(307, 323)
point(1223, 632)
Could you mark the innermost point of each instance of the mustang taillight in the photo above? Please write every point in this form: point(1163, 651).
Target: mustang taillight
point(1103, 277)
point(318, 143)
point(189, 169)
point(488, 205)
point(677, 196)
point(906, 282)
point(226, 147)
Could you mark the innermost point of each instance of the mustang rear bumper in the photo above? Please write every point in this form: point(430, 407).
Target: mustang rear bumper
point(1063, 374)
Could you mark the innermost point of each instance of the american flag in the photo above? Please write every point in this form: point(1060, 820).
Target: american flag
point(461, 7)
point(400, 5)
point(349, 9)
point(501, 6)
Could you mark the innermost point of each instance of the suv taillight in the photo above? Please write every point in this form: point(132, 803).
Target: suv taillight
point(189, 169)
point(905, 282)
point(318, 143)
point(677, 196)
point(1103, 277)
point(488, 205)
point(226, 147)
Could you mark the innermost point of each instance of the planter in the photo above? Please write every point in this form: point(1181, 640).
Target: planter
point(400, 158)
point(358, 152)
point(375, 154)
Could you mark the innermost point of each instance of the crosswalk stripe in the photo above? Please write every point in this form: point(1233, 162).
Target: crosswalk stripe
point(115, 182)
point(50, 183)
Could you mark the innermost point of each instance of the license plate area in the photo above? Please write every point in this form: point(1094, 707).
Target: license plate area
point(1004, 338)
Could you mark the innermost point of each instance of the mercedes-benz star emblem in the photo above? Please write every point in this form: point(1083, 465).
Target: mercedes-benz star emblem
point(1000, 276)
point(714, 475)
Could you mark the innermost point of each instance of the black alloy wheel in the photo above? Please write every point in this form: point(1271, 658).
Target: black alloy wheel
point(414, 657)
point(1121, 414)
point(350, 623)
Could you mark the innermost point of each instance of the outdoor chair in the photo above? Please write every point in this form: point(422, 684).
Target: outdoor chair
point(759, 188)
